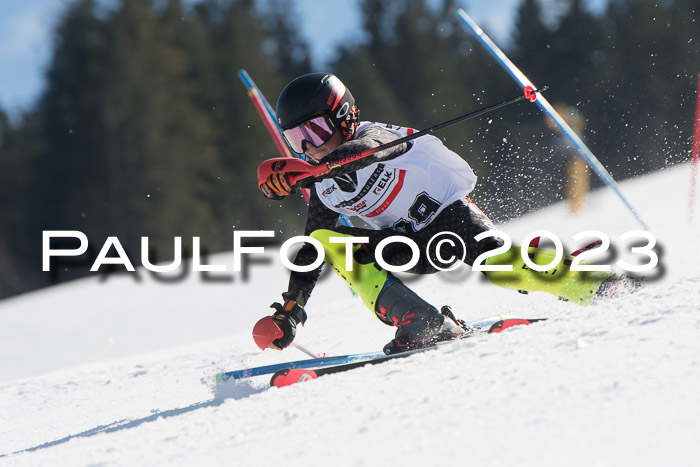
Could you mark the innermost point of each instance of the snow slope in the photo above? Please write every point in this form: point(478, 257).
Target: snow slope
point(615, 383)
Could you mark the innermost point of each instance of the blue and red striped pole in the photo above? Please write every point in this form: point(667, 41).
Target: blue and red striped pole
point(266, 114)
point(542, 102)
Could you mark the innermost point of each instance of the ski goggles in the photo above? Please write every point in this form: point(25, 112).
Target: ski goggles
point(315, 131)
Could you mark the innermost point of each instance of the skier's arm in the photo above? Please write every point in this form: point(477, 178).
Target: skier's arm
point(277, 185)
point(369, 138)
point(278, 331)
point(302, 283)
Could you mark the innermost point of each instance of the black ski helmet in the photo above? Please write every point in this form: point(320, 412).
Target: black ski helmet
point(317, 94)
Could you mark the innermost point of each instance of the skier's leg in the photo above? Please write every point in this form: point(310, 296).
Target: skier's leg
point(365, 278)
point(418, 322)
point(575, 286)
point(468, 221)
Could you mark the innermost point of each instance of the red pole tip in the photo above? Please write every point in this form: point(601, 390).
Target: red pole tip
point(530, 93)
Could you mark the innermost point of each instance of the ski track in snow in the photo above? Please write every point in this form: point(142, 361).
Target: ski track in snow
point(104, 378)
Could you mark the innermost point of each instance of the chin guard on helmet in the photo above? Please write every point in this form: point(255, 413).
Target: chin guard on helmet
point(349, 125)
point(317, 94)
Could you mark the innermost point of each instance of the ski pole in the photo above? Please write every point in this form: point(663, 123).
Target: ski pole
point(306, 351)
point(300, 170)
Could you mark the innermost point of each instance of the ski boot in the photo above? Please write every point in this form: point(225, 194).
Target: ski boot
point(419, 323)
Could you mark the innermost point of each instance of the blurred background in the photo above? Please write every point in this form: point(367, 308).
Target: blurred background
point(126, 118)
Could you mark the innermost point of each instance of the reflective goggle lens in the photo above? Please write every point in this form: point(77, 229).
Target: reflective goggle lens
point(316, 131)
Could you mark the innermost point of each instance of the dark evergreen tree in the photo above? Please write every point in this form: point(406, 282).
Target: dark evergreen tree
point(532, 41)
point(69, 172)
point(19, 146)
point(645, 91)
point(236, 37)
point(145, 130)
point(159, 142)
point(289, 53)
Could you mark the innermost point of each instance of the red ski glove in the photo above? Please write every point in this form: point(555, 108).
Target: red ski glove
point(278, 331)
point(276, 186)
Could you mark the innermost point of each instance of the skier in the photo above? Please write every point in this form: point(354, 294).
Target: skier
point(416, 190)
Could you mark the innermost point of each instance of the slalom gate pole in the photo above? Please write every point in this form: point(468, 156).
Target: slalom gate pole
point(530, 94)
point(519, 77)
point(266, 114)
point(695, 156)
point(270, 119)
point(262, 108)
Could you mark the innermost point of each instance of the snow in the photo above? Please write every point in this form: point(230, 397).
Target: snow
point(120, 371)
